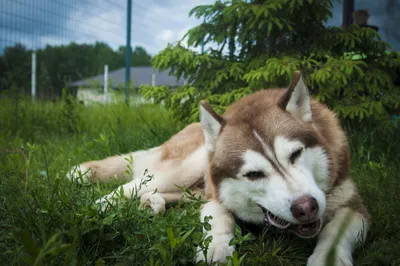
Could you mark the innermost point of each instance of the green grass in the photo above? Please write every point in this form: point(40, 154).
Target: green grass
point(54, 222)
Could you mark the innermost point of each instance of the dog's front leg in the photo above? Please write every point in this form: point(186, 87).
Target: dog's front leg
point(354, 233)
point(222, 231)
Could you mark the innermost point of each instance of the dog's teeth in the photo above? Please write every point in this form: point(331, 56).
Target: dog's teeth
point(266, 222)
point(304, 229)
point(272, 219)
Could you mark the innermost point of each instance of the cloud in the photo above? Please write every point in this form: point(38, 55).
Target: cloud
point(166, 35)
point(164, 21)
point(33, 17)
point(154, 23)
point(107, 25)
point(28, 22)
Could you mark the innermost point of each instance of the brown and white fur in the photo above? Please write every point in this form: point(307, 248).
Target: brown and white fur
point(277, 157)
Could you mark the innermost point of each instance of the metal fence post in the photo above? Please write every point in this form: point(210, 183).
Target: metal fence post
point(106, 84)
point(202, 41)
point(33, 77)
point(128, 49)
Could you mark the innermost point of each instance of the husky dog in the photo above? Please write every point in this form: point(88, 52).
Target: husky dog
point(276, 157)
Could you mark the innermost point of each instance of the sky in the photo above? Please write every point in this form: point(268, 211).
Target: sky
point(155, 23)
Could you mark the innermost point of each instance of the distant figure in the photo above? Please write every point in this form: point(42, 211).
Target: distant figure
point(361, 18)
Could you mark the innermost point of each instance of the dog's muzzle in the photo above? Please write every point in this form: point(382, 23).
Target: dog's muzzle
point(307, 229)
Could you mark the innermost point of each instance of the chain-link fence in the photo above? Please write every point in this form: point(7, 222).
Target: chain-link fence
point(50, 45)
point(47, 46)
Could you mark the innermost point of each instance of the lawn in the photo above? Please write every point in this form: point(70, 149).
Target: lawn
point(46, 220)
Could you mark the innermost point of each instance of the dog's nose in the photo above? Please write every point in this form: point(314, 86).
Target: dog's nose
point(305, 208)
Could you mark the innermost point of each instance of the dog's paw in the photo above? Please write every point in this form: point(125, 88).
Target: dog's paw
point(80, 174)
point(153, 200)
point(218, 250)
point(319, 258)
point(105, 202)
point(102, 203)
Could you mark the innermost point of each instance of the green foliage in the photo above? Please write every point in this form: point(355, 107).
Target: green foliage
point(55, 222)
point(10, 72)
point(258, 44)
point(59, 65)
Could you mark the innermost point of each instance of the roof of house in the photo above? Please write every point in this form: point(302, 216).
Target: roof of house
point(139, 76)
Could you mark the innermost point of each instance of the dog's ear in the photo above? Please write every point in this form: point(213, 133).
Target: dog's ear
point(211, 123)
point(297, 98)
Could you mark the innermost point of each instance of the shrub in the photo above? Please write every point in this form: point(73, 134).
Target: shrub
point(258, 44)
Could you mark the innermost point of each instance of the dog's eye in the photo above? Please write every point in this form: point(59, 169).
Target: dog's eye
point(254, 175)
point(295, 155)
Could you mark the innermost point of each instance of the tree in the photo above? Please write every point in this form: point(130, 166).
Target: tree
point(15, 75)
point(59, 65)
point(258, 44)
point(139, 56)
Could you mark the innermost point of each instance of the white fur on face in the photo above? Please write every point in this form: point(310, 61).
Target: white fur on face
point(307, 176)
point(254, 161)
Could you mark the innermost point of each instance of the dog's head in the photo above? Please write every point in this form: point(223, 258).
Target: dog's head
point(267, 161)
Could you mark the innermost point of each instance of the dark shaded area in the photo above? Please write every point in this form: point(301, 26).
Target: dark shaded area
point(348, 9)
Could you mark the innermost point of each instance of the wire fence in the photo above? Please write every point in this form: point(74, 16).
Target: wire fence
point(39, 23)
point(73, 40)
point(55, 22)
